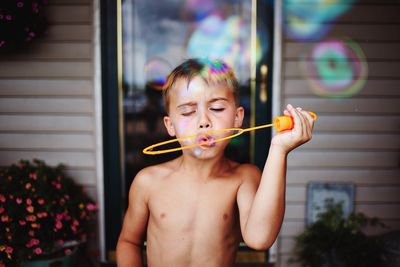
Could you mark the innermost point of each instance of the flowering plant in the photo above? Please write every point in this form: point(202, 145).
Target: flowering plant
point(40, 210)
point(21, 21)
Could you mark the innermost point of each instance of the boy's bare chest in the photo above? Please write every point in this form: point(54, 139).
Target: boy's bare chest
point(188, 208)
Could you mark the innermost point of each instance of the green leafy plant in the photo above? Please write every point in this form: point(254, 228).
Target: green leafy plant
point(337, 241)
point(41, 209)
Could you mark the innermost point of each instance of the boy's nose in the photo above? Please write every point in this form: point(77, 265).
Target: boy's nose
point(204, 122)
point(204, 125)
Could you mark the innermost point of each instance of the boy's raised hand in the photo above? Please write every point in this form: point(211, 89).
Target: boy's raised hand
point(300, 134)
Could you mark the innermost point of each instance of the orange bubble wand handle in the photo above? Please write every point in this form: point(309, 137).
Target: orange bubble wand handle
point(281, 123)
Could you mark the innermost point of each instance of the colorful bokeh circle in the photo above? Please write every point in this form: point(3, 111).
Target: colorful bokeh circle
point(336, 68)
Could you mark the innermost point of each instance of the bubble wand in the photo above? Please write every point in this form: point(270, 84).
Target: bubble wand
point(280, 123)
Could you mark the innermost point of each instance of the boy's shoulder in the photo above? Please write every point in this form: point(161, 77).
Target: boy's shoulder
point(248, 171)
point(148, 174)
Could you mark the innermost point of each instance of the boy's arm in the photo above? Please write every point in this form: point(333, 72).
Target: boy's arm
point(129, 247)
point(262, 209)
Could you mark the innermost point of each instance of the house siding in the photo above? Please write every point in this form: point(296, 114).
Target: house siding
point(356, 139)
point(47, 108)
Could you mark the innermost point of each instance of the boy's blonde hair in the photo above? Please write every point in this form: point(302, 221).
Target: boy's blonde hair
point(213, 72)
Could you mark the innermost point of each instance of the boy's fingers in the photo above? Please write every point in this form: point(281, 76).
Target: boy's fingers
point(296, 118)
point(303, 121)
point(286, 112)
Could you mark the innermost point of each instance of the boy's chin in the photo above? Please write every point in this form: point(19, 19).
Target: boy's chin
point(204, 153)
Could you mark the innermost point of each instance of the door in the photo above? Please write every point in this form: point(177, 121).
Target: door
point(152, 38)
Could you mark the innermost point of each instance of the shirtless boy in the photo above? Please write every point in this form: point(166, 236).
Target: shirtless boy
point(195, 209)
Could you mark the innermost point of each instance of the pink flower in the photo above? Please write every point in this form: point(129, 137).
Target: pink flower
point(21, 222)
point(4, 218)
point(9, 250)
point(2, 198)
point(68, 252)
point(11, 197)
point(59, 225)
point(41, 201)
point(1, 210)
point(42, 214)
point(30, 218)
point(19, 200)
point(91, 207)
point(28, 201)
point(32, 242)
point(37, 251)
point(59, 216)
point(58, 186)
point(30, 209)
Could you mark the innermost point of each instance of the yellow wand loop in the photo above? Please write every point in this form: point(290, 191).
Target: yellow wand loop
point(281, 123)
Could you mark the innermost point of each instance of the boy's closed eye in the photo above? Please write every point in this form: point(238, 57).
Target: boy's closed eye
point(188, 113)
point(217, 109)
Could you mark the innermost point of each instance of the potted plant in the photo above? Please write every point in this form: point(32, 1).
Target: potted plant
point(334, 241)
point(21, 22)
point(43, 213)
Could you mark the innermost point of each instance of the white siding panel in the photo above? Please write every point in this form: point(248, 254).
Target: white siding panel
point(295, 211)
point(46, 123)
point(372, 194)
point(350, 105)
point(70, 13)
point(291, 229)
point(354, 141)
point(383, 211)
point(39, 87)
point(378, 194)
point(378, 88)
point(70, 159)
point(368, 176)
point(71, 2)
point(69, 33)
point(350, 123)
point(46, 69)
point(362, 32)
point(343, 159)
point(293, 69)
point(43, 105)
point(46, 141)
point(85, 177)
point(374, 51)
point(54, 51)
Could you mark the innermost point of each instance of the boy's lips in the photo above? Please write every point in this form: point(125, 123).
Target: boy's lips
point(206, 140)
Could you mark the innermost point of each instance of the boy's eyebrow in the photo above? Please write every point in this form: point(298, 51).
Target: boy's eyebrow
point(210, 101)
point(187, 104)
point(218, 99)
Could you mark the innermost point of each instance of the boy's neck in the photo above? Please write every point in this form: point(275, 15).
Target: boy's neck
point(204, 168)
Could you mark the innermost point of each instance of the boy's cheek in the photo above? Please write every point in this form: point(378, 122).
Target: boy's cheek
point(184, 128)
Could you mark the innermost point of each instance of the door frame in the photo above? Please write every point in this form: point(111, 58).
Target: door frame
point(111, 77)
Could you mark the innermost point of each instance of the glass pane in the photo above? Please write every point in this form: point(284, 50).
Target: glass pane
point(159, 35)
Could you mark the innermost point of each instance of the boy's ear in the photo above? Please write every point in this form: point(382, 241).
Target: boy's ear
point(169, 126)
point(239, 117)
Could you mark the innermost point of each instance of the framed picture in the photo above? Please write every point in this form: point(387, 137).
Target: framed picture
point(319, 193)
